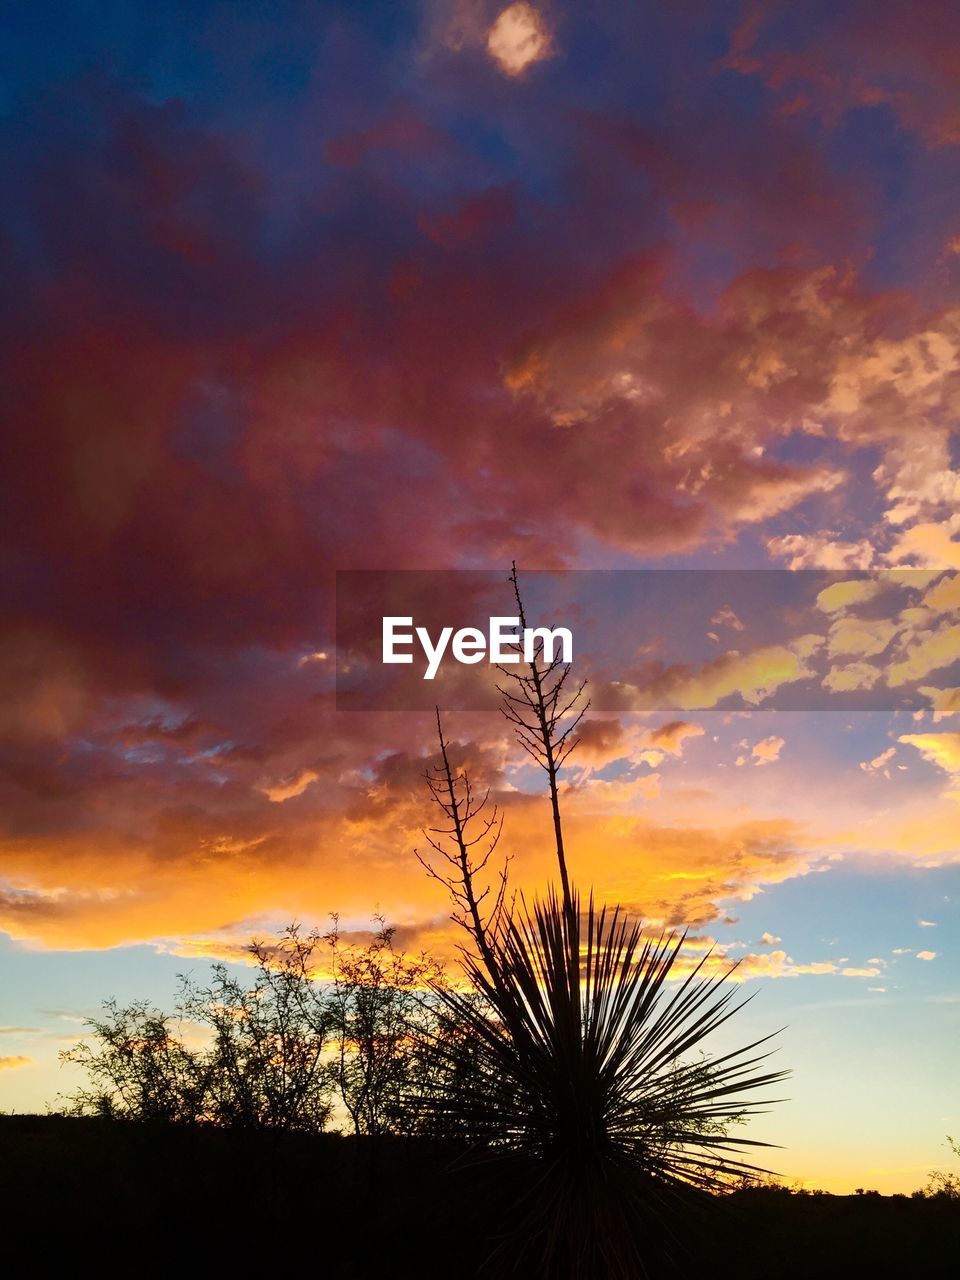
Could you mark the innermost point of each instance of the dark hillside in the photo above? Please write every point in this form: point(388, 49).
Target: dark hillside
point(111, 1199)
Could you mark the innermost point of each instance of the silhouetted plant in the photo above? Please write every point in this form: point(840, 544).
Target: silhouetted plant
point(139, 1068)
point(266, 1066)
point(461, 851)
point(545, 712)
point(379, 1006)
point(320, 1023)
point(571, 1052)
point(944, 1184)
point(579, 1058)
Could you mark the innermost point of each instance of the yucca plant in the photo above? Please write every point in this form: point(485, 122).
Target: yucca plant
point(581, 1063)
point(575, 1048)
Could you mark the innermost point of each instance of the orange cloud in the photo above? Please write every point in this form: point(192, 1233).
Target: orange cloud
point(671, 736)
point(841, 595)
point(924, 650)
point(879, 763)
point(518, 38)
point(855, 675)
point(291, 787)
point(188, 871)
point(860, 637)
point(946, 702)
point(767, 750)
point(821, 551)
point(754, 675)
point(778, 964)
point(600, 741)
point(942, 749)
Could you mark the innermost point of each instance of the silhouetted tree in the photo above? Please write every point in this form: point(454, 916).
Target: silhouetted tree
point(266, 1067)
point(944, 1184)
point(380, 1005)
point(321, 1023)
point(139, 1068)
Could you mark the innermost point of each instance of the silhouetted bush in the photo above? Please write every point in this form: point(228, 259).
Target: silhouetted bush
point(322, 1025)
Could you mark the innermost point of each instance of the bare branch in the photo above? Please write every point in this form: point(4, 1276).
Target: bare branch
point(537, 708)
point(466, 843)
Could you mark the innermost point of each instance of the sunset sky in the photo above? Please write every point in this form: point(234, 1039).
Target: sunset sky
point(302, 286)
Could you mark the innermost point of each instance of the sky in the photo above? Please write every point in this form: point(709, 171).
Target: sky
point(296, 287)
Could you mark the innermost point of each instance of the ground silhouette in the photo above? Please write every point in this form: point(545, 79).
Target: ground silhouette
point(111, 1198)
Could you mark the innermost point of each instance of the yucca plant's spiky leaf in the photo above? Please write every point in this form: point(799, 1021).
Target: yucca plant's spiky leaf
point(573, 1052)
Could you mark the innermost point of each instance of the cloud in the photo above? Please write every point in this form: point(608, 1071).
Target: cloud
point(726, 617)
point(839, 596)
point(767, 750)
point(291, 787)
point(926, 955)
point(259, 351)
point(671, 736)
point(946, 702)
point(604, 740)
point(769, 939)
point(941, 749)
point(921, 830)
point(944, 596)
point(518, 38)
point(927, 924)
point(878, 763)
point(187, 868)
point(914, 641)
point(859, 636)
point(753, 676)
point(928, 546)
point(601, 741)
point(821, 551)
point(862, 58)
point(11, 1062)
point(778, 964)
point(855, 675)
point(922, 651)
